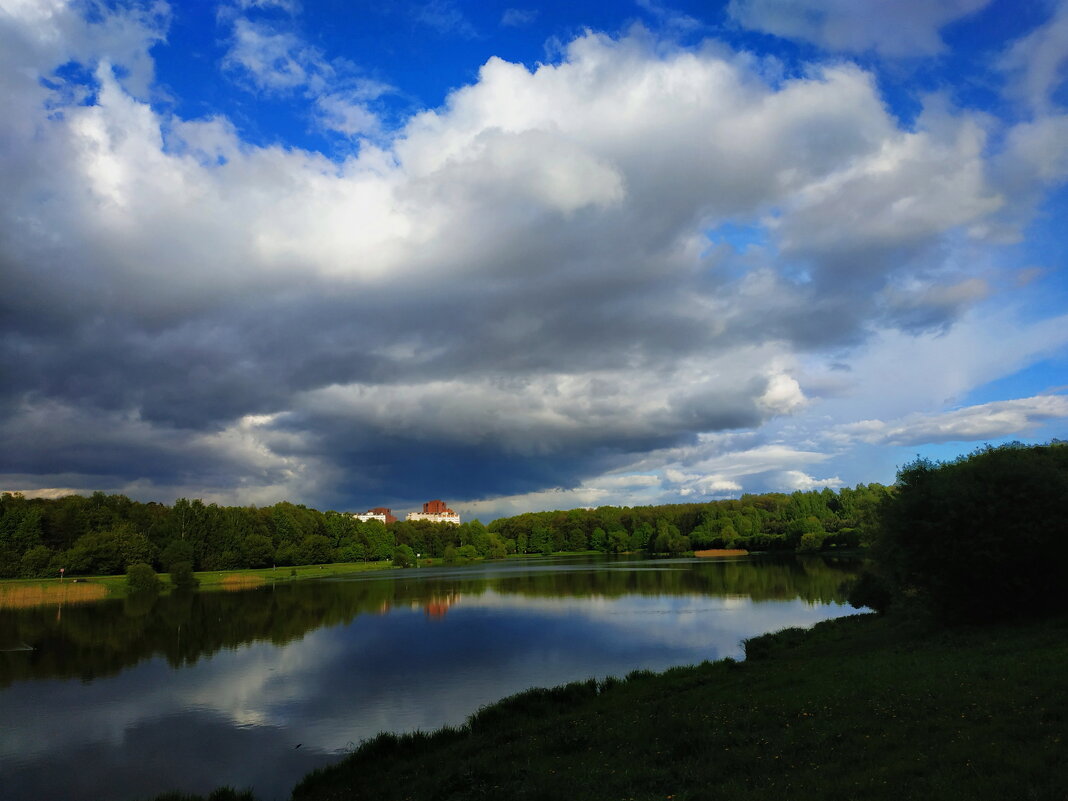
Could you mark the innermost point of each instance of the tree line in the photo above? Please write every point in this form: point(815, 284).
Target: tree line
point(104, 534)
point(803, 522)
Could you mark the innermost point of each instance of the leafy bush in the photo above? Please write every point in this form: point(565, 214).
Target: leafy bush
point(403, 556)
point(142, 578)
point(182, 576)
point(980, 538)
point(811, 542)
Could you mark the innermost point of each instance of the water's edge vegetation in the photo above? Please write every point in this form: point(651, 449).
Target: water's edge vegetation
point(859, 707)
point(863, 707)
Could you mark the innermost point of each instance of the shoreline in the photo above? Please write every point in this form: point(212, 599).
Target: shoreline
point(864, 706)
point(861, 707)
point(216, 580)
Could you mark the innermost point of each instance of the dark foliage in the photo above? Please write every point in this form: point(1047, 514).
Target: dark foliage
point(870, 590)
point(403, 556)
point(980, 538)
point(141, 578)
point(221, 794)
point(182, 576)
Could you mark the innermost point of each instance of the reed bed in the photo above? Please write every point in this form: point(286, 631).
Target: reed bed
point(241, 582)
point(721, 552)
point(25, 596)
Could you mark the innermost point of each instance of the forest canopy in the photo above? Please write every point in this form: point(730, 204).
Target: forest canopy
point(104, 534)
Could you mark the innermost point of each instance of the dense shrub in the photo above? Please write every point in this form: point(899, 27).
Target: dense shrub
point(980, 538)
point(403, 556)
point(182, 577)
point(142, 578)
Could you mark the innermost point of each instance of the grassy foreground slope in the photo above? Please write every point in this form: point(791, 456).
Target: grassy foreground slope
point(858, 708)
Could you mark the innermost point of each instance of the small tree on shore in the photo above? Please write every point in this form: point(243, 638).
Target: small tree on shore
point(182, 577)
point(141, 578)
point(403, 556)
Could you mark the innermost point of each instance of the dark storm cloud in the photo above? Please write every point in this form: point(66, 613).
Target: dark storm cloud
point(516, 295)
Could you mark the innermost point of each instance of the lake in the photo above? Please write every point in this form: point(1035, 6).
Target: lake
point(124, 699)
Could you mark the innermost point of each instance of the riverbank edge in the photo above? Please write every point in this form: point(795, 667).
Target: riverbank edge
point(212, 580)
point(859, 707)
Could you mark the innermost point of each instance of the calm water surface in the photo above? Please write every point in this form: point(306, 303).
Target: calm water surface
point(126, 699)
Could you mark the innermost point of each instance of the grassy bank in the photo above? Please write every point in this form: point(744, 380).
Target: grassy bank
point(858, 708)
point(51, 590)
point(32, 592)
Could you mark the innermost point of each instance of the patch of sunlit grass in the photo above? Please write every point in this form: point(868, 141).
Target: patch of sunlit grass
point(241, 581)
point(25, 596)
point(721, 552)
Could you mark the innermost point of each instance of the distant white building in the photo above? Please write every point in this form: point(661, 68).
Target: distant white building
point(370, 516)
point(380, 513)
point(436, 512)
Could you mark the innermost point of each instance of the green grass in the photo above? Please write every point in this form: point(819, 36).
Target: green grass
point(213, 579)
point(858, 708)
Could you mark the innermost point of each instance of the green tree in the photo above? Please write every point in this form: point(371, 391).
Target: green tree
point(177, 550)
point(257, 550)
point(285, 554)
point(497, 547)
point(380, 540)
point(134, 547)
point(982, 537)
point(576, 539)
point(642, 536)
point(315, 550)
point(403, 556)
point(351, 551)
point(97, 553)
point(618, 540)
point(811, 541)
point(34, 563)
point(182, 577)
point(141, 578)
point(540, 540)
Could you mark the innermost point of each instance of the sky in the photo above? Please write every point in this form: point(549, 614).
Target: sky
point(525, 257)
